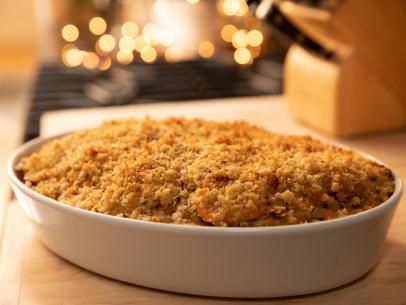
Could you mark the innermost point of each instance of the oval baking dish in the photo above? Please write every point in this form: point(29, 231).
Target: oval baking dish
point(253, 262)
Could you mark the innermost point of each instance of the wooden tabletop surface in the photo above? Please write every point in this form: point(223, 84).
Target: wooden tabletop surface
point(31, 274)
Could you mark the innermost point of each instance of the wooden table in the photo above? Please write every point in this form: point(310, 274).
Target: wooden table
point(14, 94)
point(30, 274)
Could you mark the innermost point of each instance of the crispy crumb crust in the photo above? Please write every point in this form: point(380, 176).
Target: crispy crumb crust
point(205, 173)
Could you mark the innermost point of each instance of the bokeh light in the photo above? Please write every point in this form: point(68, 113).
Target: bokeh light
point(206, 49)
point(162, 8)
point(239, 39)
point(167, 38)
point(70, 33)
point(242, 56)
point(90, 60)
point(148, 54)
point(127, 44)
point(152, 38)
point(139, 43)
point(255, 38)
point(192, 1)
point(151, 32)
point(173, 54)
point(105, 64)
point(124, 57)
point(73, 57)
point(234, 7)
point(97, 26)
point(130, 29)
point(107, 43)
point(243, 8)
point(227, 32)
point(67, 47)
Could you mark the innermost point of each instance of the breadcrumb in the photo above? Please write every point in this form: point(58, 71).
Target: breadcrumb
point(205, 173)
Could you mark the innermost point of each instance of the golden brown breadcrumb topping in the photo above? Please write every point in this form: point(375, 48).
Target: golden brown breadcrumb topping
point(205, 173)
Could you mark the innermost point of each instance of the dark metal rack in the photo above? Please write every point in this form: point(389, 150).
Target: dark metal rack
point(58, 87)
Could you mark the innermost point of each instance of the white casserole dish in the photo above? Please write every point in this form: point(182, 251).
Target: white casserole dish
point(212, 261)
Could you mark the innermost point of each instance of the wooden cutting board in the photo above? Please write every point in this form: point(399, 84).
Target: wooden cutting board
point(30, 274)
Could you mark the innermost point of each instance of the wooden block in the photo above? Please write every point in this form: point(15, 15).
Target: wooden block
point(310, 89)
point(341, 99)
point(364, 90)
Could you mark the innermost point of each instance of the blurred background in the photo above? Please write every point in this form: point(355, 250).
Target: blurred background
point(68, 54)
point(96, 53)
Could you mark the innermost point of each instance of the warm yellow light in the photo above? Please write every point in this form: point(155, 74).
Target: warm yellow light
point(206, 49)
point(70, 32)
point(99, 51)
point(148, 54)
point(139, 43)
point(173, 54)
point(243, 8)
point(67, 47)
point(90, 60)
point(127, 44)
point(255, 38)
point(124, 57)
point(64, 52)
point(105, 64)
point(73, 57)
point(107, 43)
point(239, 39)
point(231, 7)
point(242, 56)
point(166, 38)
point(227, 32)
point(97, 25)
point(234, 7)
point(151, 33)
point(63, 57)
point(192, 1)
point(151, 27)
point(151, 38)
point(130, 29)
point(162, 8)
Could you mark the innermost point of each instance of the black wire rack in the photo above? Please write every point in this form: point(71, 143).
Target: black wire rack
point(58, 87)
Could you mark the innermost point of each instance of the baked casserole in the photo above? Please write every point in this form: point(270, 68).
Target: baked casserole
point(205, 173)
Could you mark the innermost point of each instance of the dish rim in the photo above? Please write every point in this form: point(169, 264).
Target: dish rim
point(34, 144)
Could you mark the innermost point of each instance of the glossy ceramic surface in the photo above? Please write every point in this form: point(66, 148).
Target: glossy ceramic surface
point(226, 262)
